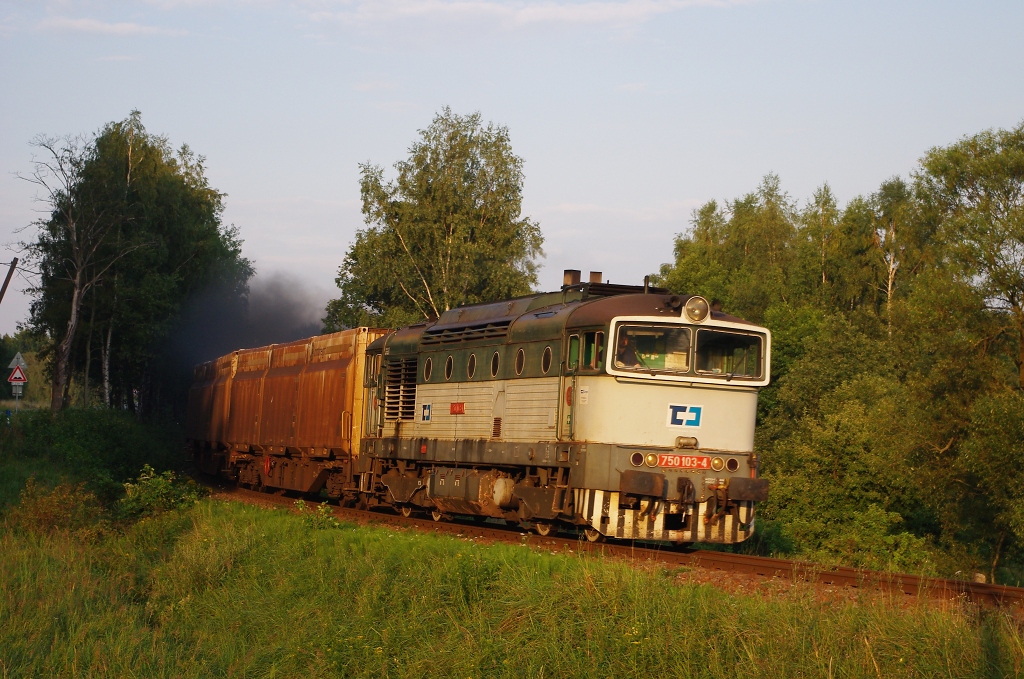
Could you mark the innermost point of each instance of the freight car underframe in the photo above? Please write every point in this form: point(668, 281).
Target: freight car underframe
point(593, 486)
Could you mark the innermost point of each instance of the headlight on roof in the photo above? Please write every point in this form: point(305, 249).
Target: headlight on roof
point(697, 309)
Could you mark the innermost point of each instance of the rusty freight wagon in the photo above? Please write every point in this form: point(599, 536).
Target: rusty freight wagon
point(623, 411)
point(282, 416)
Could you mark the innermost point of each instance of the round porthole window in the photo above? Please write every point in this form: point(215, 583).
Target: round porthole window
point(448, 365)
point(545, 360)
point(520, 362)
point(494, 364)
point(427, 367)
point(471, 366)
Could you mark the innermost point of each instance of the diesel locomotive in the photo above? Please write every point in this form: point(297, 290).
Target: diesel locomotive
point(625, 411)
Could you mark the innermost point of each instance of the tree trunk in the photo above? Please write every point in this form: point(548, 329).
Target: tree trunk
point(1018, 317)
point(62, 354)
point(889, 288)
point(88, 356)
point(106, 364)
point(995, 561)
point(824, 279)
point(67, 385)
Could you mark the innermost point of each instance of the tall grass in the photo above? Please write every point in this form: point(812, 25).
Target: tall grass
point(229, 590)
point(87, 589)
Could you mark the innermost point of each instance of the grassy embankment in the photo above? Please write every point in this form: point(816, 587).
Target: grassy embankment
point(223, 589)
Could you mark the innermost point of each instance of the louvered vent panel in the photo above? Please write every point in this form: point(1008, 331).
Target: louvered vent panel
point(497, 330)
point(496, 429)
point(408, 406)
point(400, 390)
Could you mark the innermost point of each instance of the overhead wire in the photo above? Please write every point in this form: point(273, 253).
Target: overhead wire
point(20, 269)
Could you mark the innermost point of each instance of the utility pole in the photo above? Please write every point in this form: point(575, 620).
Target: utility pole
point(7, 281)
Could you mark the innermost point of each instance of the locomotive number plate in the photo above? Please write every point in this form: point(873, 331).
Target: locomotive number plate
point(684, 461)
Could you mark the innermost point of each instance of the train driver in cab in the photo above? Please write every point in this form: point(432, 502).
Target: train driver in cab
point(626, 353)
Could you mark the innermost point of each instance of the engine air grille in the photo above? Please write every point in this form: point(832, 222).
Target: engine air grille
point(495, 330)
point(496, 429)
point(400, 389)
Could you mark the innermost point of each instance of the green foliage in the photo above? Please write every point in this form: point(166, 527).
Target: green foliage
point(975, 191)
point(317, 519)
point(58, 472)
point(991, 481)
point(223, 589)
point(100, 447)
point(151, 493)
point(740, 257)
point(839, 475)
point(154, 242)
point(891, 429)
point(447, 231)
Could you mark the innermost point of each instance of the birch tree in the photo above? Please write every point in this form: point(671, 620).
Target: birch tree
point(447, 231)
point(72, 251)
point(133, 234)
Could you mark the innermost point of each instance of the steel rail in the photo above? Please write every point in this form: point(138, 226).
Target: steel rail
point(914, 585)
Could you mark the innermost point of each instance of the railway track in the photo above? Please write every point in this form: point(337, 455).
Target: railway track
point(1000, 596)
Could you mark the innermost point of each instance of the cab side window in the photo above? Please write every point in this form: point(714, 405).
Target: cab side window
point(593, 350)
point(574, 352)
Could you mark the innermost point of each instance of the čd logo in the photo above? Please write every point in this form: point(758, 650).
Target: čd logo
point(684, 416)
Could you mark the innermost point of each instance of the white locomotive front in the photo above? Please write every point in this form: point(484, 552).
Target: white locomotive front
point(626, 411)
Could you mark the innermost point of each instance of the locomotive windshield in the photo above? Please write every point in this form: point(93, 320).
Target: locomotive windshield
point(728, 353)
point(647, 348)
point(667, 349)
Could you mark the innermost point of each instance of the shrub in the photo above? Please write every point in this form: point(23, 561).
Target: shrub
point(319, 518)
point(151, 493)
point(101, 447)
point(67, 509)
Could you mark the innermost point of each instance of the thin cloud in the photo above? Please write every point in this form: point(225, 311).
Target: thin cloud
point(515, 13)
point(373, 86)
point(67, 24)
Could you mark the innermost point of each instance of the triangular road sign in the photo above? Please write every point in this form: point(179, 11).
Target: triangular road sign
point(17, 376)
point(18, 360)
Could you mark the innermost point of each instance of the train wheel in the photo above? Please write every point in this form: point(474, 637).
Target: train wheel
point(406, 510)
point(593, 535)
point(543, 529)
point(436, 514)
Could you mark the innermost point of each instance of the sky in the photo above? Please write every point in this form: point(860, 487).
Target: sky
point(628, 114)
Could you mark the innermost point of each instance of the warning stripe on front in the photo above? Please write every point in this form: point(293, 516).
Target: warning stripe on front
point(601, 510)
